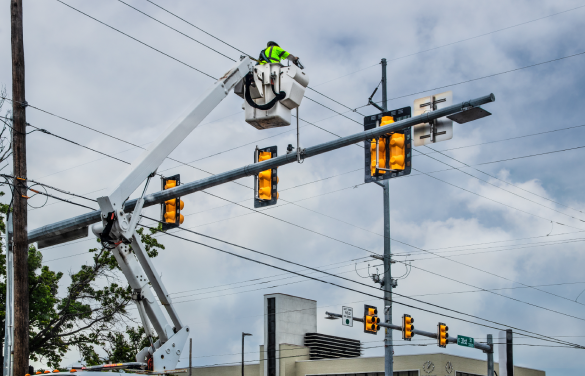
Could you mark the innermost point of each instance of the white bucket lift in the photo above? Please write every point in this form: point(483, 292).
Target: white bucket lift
point(270, 92)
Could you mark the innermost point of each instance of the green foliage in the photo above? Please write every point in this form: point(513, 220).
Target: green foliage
point(119, 348)
point(92, 310)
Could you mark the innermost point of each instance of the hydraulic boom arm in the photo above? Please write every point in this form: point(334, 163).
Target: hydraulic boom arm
point(117, 230)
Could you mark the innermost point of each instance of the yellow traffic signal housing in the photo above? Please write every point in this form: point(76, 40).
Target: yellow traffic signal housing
point(407, 327)
point(266, 182)
point(397, 151)
point(371, 319)
point(379, 150)
point(390, 155)
point(171, 216)
point(442, 334)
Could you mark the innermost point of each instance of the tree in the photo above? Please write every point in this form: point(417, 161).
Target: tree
point(119, 348)
point(88, 314)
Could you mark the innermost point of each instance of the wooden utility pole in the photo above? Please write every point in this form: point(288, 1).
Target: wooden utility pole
point(19, 194)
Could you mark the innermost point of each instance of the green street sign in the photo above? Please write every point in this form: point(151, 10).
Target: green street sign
point(465, 341)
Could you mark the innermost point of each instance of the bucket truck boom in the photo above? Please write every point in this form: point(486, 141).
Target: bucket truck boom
point(117, 230)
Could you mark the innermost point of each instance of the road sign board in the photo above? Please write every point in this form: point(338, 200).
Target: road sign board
point(465, 341)
point(442, 128)
point(347, 316)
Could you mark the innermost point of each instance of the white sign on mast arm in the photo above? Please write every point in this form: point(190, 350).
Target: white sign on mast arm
point(347, 316)
point(440, 129)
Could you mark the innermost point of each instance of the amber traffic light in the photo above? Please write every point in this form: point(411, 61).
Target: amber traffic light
point(442, 334)
point(371, 319)
point(397, 151)
point(407, 327)
point(171, 216)
point(266, 182)
point(388, 156)
point(379, 150)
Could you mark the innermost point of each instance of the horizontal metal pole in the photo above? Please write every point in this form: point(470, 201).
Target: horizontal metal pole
point(480, 346)
point(212, 181)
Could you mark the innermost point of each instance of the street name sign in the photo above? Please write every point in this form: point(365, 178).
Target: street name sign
point(465, 341)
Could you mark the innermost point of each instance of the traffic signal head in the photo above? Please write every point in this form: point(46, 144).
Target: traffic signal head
point(171, 216)
point(442, 334)
point(379, 150)
point(397, 151)
point(266, 182)
point(371, 319)
point(388, 156)
point(407, 327)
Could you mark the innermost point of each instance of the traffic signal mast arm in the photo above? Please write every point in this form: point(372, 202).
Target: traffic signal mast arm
point(480, 346)
point(59, 228)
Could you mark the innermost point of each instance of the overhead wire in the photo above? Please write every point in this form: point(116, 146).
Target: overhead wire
point(138, 40)
point(321, 271)
point(487, 182)
point(485, 34)
point(483, 77)
point(329, 274)
point(341, 286)
point(302, 227)
point(326, 273)
point(66, 4)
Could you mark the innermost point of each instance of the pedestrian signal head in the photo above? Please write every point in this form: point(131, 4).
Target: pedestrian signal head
point(407, 327)
point(266, 182)
point(171, 216)
point(442, 334)
point(371, 319)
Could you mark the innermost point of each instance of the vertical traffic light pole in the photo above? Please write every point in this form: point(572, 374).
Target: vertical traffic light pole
point(19, 204)
point(490, 356)
point(388, 345)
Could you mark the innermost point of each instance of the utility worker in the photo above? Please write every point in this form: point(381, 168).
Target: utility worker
point(274, 54)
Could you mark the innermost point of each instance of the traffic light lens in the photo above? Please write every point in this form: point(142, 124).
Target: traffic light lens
point(387, 120)
point(397, 140)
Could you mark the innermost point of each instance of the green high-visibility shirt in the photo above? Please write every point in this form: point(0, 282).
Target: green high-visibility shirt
point(275, 54)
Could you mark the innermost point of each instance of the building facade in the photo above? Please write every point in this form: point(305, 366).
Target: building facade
point(288, 320)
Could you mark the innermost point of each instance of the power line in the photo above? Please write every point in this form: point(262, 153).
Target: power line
point(487, 182)
point(345, 287)
point(505, 296)
point(496, 201)
point(114, 29)
point(198, 28)
point(482, 77)
point(76, 143)
point(512, 138)
point(324, 272)
point(485, 34)
point(138, 40)
point(297, 264)
point(531, 155)
point(180, 32)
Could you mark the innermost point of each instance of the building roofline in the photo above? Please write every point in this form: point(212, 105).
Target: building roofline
point(293, 296)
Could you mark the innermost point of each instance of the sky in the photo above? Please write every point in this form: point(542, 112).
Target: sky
point(490, 221)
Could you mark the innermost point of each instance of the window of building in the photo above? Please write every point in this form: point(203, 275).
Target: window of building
point(465, 374)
